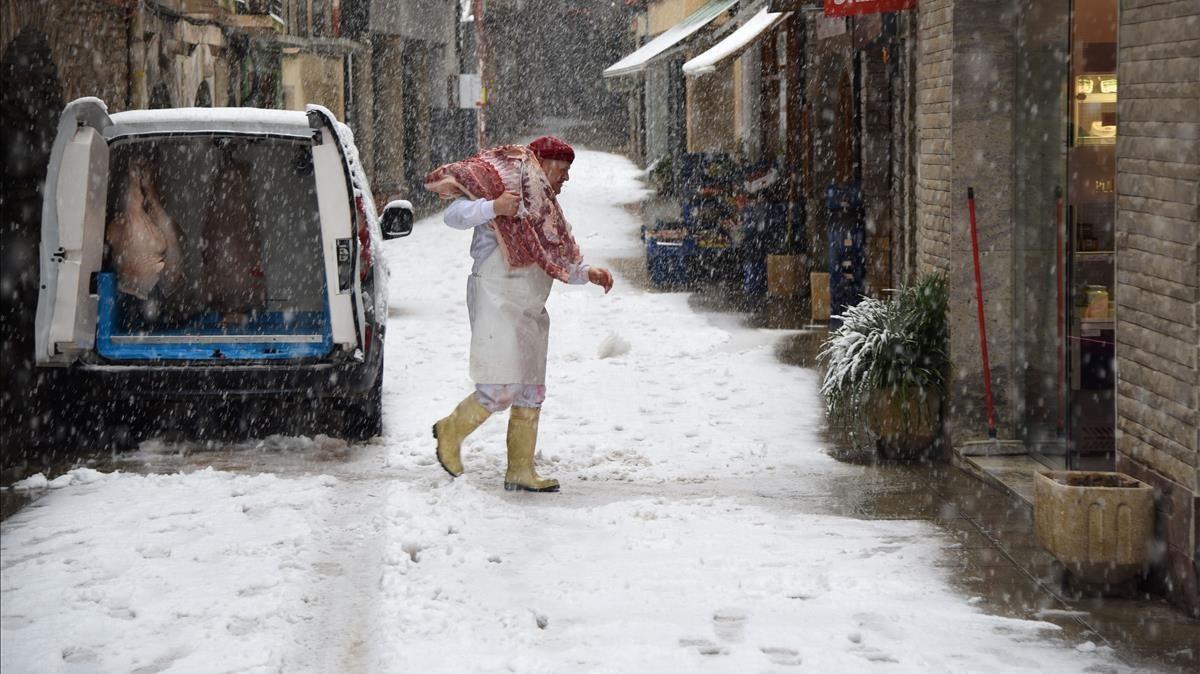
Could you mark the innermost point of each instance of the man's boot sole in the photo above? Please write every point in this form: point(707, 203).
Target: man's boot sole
point(439, 456)
point(513, 486)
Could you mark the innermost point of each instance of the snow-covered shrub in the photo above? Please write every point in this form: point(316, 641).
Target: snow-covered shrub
point(898, 345)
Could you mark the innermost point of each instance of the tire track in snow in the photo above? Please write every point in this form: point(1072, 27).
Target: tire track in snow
point(340, 614)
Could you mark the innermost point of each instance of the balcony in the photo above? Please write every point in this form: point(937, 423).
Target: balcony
point(260, 15)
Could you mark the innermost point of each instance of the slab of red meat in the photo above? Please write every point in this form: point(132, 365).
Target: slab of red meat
point(540, 234)
point(233, 275)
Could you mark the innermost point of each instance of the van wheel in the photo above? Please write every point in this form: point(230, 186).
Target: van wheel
point(362, 415)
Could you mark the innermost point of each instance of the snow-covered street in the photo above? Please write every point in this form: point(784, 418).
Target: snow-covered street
point(691, 533)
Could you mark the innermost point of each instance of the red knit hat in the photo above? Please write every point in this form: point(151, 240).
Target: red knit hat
point(549, 147)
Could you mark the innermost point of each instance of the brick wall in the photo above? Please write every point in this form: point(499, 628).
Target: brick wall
point(934, 91)
point(1158, 271)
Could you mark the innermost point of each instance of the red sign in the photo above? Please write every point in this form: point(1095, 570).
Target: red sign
point(852, 7)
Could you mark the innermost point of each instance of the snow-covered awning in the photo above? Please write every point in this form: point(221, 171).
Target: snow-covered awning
point(636, 62)
point(734, 43)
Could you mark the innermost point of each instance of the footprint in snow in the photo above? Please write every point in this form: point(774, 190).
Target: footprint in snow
point(782, 656)
point(413, 550)
point(704, 646)
point(729, 624)
point(240, 626)
point(79, 655)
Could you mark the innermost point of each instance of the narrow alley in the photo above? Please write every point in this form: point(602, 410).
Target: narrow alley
point(702, 526)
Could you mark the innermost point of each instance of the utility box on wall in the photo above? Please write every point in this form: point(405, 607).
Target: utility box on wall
point(470, 91)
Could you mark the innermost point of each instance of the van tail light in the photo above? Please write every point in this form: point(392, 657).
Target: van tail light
point(366, 255)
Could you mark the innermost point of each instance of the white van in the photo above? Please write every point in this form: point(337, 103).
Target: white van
point(273, 294)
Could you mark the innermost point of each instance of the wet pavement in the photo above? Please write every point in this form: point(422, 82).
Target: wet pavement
point(997, 562)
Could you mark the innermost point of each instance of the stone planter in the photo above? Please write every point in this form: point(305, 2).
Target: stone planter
point(1099, 525)
point(906, 422)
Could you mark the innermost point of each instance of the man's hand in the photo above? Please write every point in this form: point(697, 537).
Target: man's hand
point(506, 204)
point(601, 277)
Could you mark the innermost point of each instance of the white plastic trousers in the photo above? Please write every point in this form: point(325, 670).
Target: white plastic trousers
point(499, 397)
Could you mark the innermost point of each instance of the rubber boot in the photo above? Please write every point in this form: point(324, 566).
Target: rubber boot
point(451, 431)
point(522, 441)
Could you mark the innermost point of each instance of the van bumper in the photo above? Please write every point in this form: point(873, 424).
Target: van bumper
point(226, 382)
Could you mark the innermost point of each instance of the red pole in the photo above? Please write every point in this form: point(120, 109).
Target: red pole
point(987, 369)
point(1059, 264)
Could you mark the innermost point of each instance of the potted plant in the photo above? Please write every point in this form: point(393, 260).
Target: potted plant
point(661, 175)
point(886, 365)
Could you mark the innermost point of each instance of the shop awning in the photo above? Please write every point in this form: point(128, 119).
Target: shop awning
point(636, 62)
point(734, 43)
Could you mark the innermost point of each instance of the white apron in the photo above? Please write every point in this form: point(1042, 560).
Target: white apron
point(510, 328)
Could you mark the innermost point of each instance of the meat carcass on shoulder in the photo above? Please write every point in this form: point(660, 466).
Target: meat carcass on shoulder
point(539, 234)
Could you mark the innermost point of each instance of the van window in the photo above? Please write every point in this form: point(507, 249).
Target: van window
point(213, 250)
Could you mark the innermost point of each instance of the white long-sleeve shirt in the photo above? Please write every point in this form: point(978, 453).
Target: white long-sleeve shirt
point(466, 214)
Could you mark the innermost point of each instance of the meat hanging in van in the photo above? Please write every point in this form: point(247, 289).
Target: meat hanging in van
point(144, 240)
point(233, 274)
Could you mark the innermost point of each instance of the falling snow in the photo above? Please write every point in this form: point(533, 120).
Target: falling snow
point(667, 549)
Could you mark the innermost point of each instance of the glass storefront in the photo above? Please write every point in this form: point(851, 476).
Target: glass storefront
point(1065, 122)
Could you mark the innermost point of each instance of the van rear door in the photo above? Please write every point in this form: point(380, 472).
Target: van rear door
point(72, 248)
point(338, 235)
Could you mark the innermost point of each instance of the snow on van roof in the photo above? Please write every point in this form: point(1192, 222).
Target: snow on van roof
point(210, 119)
point(211, 114)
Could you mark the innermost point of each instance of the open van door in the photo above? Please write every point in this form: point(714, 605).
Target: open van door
point(338, 236)
point(74, 202)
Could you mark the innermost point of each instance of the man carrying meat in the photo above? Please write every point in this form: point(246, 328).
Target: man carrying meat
point(521, 244)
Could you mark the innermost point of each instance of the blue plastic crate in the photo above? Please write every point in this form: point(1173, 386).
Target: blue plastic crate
point(754, 278)
point(669, 262)
point(273, 335)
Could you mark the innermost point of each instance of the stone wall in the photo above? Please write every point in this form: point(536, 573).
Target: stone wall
point(53, 51)
point(88, 41)
point(982, 137)
point(387, 113)
point(361, 112)
point(935, 78)
point(1158, 271)
point(964, 120)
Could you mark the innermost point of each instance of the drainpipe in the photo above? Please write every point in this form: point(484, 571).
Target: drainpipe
point(136, 96)
point(481, 44)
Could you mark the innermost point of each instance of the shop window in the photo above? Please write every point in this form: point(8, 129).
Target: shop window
point(1065, 122)
point(160, 97)
point(203, 96)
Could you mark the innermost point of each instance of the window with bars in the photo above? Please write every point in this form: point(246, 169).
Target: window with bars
point(271, 7)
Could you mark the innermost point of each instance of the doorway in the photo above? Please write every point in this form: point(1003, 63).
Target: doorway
point(1065, 149)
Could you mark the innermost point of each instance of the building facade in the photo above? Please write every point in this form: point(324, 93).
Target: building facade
point(1077, 124)
point(1157, 251)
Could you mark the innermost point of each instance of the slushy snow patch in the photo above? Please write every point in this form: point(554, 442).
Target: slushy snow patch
point(614, 345)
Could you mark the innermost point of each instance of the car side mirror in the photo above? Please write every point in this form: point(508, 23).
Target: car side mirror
point(397, 220)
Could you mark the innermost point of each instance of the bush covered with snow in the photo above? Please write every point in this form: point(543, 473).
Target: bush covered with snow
point(900, 344)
